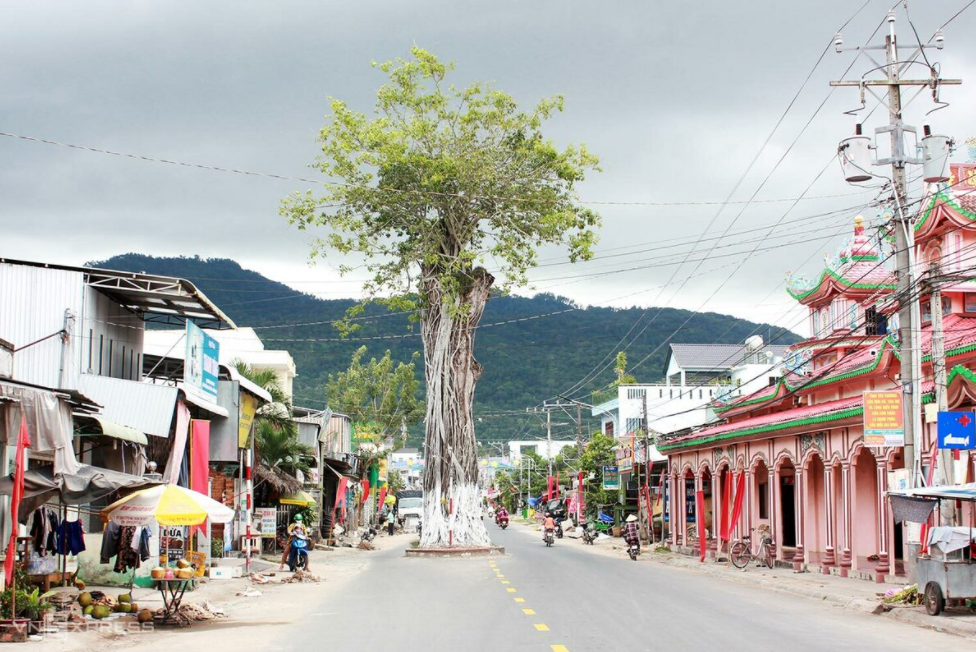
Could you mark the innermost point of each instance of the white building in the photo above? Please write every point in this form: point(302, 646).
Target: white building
point(696, 375)
point(238, 344)
point(541, 447)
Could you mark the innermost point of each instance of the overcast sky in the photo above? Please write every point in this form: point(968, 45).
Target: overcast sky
point(675, 97)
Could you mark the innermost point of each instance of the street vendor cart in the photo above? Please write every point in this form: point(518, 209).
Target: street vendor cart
point(948, 570)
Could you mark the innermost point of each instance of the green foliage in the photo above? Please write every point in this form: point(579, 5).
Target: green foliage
point(598, 452)
point(395, 482)
point(522, 361)
point(378, 392)
point(276, 440)
point(29, 603)
point(439, 181)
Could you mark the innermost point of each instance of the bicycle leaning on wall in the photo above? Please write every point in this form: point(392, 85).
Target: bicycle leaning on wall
point(741, 551)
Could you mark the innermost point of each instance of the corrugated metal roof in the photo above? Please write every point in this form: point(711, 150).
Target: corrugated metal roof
point(147, 408)
point(717, 356)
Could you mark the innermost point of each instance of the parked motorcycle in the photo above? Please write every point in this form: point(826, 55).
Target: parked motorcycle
point(298, 555)
point(633, 550)
point(559, 530)
point(368, 534)
point(549, 537)
point(589, 534)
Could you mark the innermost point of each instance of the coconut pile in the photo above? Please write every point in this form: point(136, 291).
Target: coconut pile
point(99, 605)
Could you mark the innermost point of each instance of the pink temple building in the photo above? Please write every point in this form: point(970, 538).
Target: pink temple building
point(799, 443)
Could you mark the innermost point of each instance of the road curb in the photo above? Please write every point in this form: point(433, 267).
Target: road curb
point(486, 551)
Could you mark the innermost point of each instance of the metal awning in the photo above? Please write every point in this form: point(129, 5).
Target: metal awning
point(157, 299)
point(951, 492)
point(112, 429)
point(203, 403)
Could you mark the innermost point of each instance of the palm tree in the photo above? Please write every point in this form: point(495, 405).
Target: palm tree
point(280, 454)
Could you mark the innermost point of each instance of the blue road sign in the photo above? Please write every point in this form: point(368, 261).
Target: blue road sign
point(957, 430)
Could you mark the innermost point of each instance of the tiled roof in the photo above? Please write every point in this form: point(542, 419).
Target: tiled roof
point(717, 356)
point(810, 414)
point(960, 336)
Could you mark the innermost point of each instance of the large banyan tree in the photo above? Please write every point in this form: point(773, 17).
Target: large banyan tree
point(439, 194)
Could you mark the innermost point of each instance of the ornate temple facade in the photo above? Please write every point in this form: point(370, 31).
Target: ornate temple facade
point(799, 444)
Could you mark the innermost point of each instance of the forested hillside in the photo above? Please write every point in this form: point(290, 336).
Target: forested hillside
point(524, 361)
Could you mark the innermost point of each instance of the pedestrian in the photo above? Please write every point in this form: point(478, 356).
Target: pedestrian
point(390, 521)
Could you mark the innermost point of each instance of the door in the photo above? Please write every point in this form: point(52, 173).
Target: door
point(788, 509)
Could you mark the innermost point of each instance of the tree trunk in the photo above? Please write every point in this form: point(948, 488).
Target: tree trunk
point(452, 498)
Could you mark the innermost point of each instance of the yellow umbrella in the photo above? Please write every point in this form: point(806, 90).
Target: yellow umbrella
point(299, 498)
point(168, 504)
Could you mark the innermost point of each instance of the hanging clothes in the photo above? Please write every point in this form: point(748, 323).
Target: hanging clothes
point(110, 541)
point(127, 557)
point(43, 531)
point(71, 538)
point(144, 537)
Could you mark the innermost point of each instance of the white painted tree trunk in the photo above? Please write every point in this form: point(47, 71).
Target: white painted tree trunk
point(452, 499)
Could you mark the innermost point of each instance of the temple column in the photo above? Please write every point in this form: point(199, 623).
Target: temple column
point(845, 509)
point(830, 509)
point(746, 528)
point(883, 566)
point(672, 517)
point(713, 542)
point(777, 509)
point(798, 498)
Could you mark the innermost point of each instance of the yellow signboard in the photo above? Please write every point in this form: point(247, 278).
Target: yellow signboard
point(884, 419)
point(249, 406)
point(383, 472)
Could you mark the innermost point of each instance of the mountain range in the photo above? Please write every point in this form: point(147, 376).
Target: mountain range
point(531, 348)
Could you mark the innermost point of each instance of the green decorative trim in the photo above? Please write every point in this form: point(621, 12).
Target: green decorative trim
point(870, 258)
point(846, 375)
point(824, 418)
point(843, 281)
point(945, 200)
point(951, 352)
point(753, 401)
point(960, 370)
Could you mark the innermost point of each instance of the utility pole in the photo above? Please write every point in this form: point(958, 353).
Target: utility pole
point(579, 429)
point(549, 440)
point(932, 153)
point(856, 161)
point(946, 457)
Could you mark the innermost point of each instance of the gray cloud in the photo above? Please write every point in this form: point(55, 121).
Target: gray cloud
point(675, 98)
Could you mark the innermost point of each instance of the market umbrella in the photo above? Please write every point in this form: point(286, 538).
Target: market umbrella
point(167, 504)
point(297, 498)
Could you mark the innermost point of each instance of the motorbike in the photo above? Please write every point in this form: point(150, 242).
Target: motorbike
point(298, 556)
point(589, 534)
point(502, 521)
point(548, 537)
point(633, 550)
point(559, 530)
point(368, 534)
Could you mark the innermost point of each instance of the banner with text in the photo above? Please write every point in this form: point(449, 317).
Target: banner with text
point(884, 419)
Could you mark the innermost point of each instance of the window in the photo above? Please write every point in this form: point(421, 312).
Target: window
point(763, 500)
point(608, 429)
point(871, 321)
point(633, 393)
point(953, 250)
point(970, 303)
point(824, 317)
point(772, 381)
point(852, 316)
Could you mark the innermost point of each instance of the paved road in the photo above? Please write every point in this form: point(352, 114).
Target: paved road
point(570, 599)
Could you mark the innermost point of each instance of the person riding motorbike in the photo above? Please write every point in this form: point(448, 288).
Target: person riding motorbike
point(549, 523)
point(297, 528)
point(631, 533)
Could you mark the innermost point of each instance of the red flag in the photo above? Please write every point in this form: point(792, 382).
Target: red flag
point(365, 484)
point(549, 487)
point(382, 497)
point(199, 462)
point(580, 507)
point(740, 488)
point(726, 499)
point(23, 442)
point(700, 522)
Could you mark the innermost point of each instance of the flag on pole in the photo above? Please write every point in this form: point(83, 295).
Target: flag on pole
point(23, 443)
point(700, 522)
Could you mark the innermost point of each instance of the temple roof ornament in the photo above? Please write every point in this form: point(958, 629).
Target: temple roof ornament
point(856, 272)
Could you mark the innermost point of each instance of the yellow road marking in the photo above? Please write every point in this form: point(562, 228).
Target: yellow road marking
point(520, 600)
point(529, 612)
point(511, 590)
point(499, 576)
point(559, 648)
point(541, 627)
point(505, 582)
